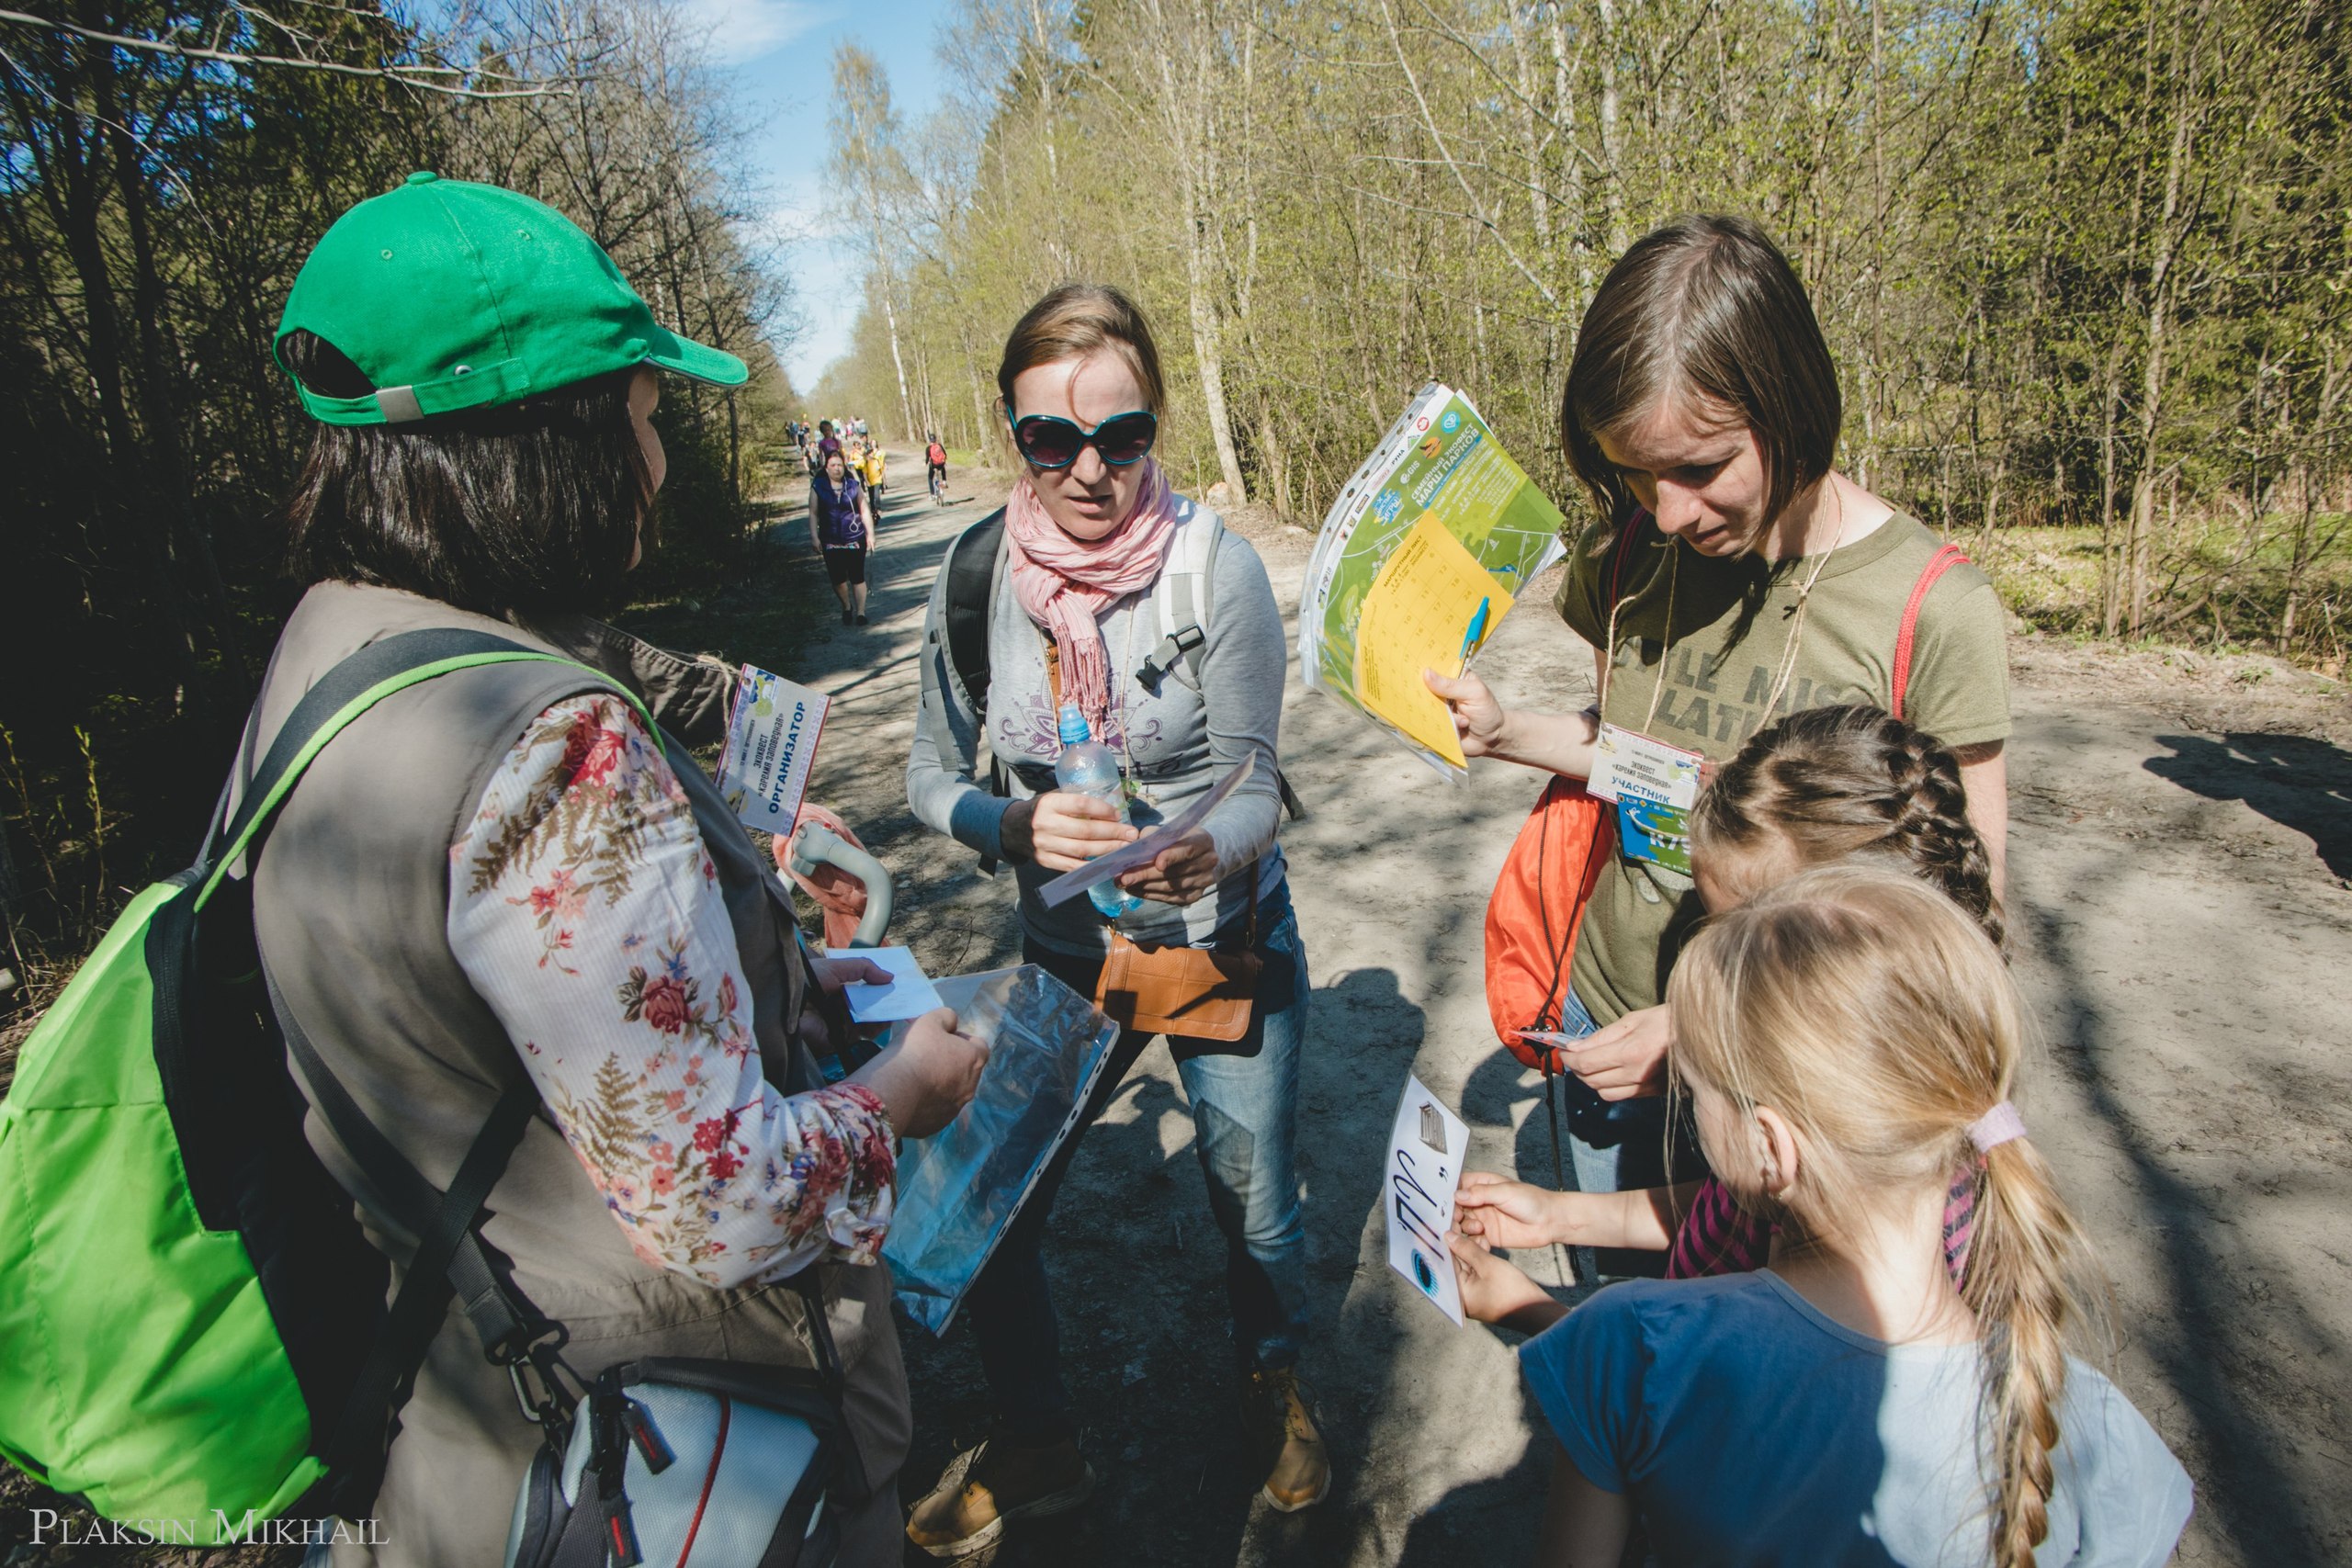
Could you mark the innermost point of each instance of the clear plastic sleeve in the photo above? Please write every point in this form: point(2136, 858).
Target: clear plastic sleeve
point(960, 1189)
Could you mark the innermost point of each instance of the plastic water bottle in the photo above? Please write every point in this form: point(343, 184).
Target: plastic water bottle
point(1088, 767)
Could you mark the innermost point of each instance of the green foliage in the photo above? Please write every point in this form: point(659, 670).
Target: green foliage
point(2084, 263)
point(153, 211)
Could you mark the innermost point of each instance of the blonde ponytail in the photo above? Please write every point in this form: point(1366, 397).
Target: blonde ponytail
point(1875, 1016)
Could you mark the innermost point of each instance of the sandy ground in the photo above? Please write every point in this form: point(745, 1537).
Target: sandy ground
point(2182, 838)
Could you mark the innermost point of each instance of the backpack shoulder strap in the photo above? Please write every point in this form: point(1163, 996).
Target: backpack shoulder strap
point(1185, 598)
point(1620, 548)
point(975, 563)
point(1899, 678)
point(450, 1259)
point(1184, 601)
point(353, 686)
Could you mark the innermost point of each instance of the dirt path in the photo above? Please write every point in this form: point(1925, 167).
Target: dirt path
point(2181, 841)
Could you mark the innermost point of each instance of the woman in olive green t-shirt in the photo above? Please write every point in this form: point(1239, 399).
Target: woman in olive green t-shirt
point(1752, 580)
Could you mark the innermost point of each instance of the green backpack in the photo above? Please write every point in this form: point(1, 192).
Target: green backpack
point(193, 1331)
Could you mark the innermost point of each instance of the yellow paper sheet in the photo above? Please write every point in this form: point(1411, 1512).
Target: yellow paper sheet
point(1415, 618)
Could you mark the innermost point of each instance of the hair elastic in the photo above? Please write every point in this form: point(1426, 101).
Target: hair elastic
point(1996, 1127)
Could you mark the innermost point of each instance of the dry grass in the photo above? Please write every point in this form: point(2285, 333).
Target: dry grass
point(2218, 586)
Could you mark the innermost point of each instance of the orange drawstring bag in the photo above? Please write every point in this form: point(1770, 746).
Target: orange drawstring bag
point(1536, 909)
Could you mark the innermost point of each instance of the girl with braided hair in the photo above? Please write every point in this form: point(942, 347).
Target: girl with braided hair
point(1826, 787)
point(1845, 1039)
point(1834, 783)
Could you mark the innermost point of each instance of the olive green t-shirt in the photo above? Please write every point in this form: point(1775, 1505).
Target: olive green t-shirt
point(1732, 624)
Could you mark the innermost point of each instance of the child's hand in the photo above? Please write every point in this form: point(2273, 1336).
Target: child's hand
point(1627, 1058)
point(1492, 1290)
point(1500, 1211)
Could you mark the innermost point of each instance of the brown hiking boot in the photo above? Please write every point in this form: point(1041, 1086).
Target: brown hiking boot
point(1277, 1411)
point(985, 1487)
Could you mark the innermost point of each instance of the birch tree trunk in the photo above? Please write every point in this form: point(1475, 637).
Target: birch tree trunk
point(1208, 349)
point(898, 360)
point(1185, 111)
point(2151, 384)
point(2114, 550)
point(1612, 155)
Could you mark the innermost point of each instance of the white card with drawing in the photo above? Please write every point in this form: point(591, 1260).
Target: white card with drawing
point(1425, 1153)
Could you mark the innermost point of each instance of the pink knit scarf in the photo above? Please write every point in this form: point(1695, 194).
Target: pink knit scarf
point(1066, 583)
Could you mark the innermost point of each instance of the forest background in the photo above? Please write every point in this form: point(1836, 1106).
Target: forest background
point(2086, 266)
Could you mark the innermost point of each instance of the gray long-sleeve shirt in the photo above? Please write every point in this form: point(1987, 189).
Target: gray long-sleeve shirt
point(1176, 743)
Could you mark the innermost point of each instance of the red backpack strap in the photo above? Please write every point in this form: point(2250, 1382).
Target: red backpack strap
point(1943, 561)
point(1618, 549)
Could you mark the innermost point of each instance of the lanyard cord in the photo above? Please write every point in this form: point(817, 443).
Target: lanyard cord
point(1609, 665)
point(1789, 653)
point(1796, 636)
point(1797, 622)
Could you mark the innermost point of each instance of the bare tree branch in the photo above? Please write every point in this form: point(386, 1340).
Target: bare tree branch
point(1445, 150)
point(414, 76)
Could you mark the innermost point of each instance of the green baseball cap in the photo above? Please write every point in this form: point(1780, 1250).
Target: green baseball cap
point(450, 295)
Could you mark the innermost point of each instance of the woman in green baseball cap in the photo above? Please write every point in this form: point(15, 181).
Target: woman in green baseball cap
point(509, 871)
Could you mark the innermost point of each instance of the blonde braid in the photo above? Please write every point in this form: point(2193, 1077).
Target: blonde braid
point(2026, 1254)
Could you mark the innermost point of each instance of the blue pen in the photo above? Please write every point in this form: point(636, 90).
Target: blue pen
point(1478, 632)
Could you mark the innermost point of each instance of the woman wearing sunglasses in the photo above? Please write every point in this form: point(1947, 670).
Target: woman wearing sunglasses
point(1091, 536)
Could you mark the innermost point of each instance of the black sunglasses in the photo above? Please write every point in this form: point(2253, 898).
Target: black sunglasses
point(1051, 442)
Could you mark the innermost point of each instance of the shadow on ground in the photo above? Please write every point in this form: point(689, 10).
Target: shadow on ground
point(2239, 1374)
point(2297, 782)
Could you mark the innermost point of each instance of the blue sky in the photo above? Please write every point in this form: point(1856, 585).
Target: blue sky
point(775, 57)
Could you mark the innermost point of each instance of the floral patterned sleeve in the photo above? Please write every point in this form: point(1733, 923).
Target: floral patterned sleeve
point(586, 909)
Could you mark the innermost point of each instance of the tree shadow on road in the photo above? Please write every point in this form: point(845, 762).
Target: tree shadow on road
point(2298, 782)
point(2233, 1370)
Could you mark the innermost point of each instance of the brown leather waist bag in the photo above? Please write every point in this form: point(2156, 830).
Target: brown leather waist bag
point(1202, 993)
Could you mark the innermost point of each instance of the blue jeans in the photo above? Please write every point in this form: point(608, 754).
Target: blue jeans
point(1245, 1113)
point(1617, 1145)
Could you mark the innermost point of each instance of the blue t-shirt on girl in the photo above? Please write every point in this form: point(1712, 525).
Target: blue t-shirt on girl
point(1747, 1428)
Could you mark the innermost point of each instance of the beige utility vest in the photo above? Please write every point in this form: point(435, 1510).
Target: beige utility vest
point(351, 902)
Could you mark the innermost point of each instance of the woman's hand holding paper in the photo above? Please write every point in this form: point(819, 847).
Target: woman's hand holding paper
point(927, 1078)
point(1478, 715)
point(1627, 1059)
point(1179, 874)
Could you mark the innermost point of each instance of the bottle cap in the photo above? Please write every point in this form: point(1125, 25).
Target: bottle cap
point(1074, 725)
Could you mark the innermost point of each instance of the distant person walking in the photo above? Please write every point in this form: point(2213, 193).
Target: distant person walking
point(841, 527)
point(873, 473)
